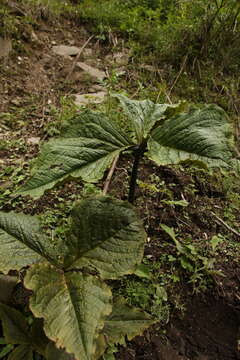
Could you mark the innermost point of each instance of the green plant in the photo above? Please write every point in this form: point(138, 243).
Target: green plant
point(168, 134)
point(200, 267)
point(105, 241)
point(59, 117)
point(147, 294)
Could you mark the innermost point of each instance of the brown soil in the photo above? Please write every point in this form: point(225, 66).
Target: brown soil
point(209, 329)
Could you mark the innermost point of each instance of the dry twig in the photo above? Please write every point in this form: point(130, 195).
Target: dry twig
point(110, 174)
point(77, 57)
point(219, 220)
point(179, 74)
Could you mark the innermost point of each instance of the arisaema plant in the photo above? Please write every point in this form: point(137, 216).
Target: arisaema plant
point(80, 316)
point(167, 134)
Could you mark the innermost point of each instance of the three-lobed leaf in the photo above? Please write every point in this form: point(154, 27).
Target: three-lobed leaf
point(106, 234)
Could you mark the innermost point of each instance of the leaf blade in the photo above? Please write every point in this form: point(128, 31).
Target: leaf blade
point(15, 327)
point(73, 309)
point(144, 114)
point(126, 321)
point(87, 149)
point(107, 235)
point(22, 236)
point(202, 135)
point(21, 352)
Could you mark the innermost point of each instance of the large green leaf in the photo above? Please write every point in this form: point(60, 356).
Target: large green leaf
point(203, 135)
point(87, 149)
point(73, 305)
point(16, 331)
point(125, 321)
point(95, 125)
point(22, 242)
point(15, 327)
point(107, 235)
point(235, 165)
point(22, 352)
point(143, 115)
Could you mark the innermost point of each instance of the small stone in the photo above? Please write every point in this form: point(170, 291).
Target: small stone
point(33, 140)
point(92, 98)
point(5, 185)
point(96, 88)
point(65, 50)
point(120, 71)
point(34, 37)
point(148, 67)
point(16, 101)
point(95, 73)
point(121, 58)
point(87, 52)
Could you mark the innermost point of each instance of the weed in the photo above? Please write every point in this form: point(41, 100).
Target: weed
point(59, 116)
point(147, 294)
point(200, 267)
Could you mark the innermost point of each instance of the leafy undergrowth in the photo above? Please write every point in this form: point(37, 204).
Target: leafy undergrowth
point(195, 256)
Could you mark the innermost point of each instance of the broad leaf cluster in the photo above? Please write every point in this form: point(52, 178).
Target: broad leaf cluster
point(106, 238)
point(169, 134)
point(105, 241)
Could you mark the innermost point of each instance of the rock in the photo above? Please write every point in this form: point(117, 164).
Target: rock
point(87, 52)
point(4, 185)
point(16, 101)
point(65, 50)
point(148, 68)
point(120, 71)
point(95, 73)
point(33, 140)
point(121, 58)
point(96, 88)
point(5, 47)
point(34, 37)
point(92, 98)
